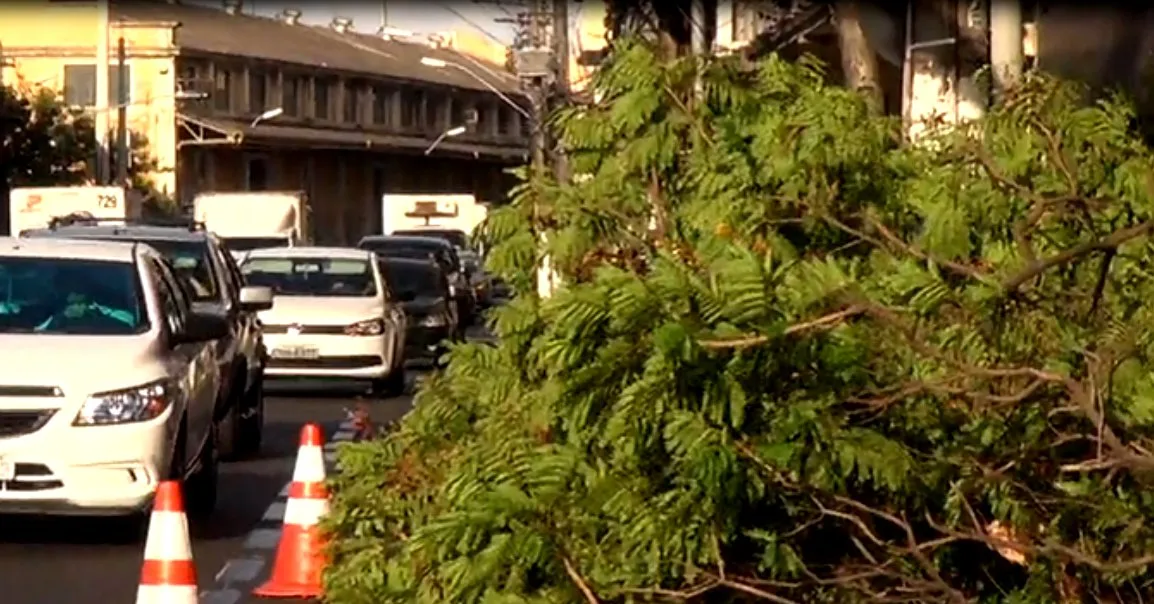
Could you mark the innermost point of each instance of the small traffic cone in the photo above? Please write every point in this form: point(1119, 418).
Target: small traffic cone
point(300, 557)
point(168, 575)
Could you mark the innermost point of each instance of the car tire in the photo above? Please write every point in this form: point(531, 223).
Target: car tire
point(229, 430)
point(200, 490)
point(394, 385)
point(252, 424)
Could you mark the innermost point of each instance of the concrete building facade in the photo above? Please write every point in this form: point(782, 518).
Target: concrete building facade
point(356, 113)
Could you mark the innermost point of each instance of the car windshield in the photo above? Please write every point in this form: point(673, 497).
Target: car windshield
point(244, 244)
point(410, 280)
point(343, 277)
point(458, 238)
point(189, 260)
point(399, 249)
point(68, 296)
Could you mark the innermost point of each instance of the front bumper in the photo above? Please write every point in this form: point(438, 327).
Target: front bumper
point(425, 342)
point(86, 471)
point(337, 356)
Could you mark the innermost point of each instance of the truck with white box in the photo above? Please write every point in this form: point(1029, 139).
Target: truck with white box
point(36, 207)
point(247, 220)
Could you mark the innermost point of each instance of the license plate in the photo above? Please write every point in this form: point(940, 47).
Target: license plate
point(7, 470)
point(295, 352)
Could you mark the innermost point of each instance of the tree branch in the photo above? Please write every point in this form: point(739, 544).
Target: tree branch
point(824, 321)
point(1107, 243)
point(574, 576)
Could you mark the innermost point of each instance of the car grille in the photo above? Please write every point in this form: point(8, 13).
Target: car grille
point(306, 329)
point(19, 423)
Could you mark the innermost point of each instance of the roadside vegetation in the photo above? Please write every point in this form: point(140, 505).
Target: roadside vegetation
point(796, 360)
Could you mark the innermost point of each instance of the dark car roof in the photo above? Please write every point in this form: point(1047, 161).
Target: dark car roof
point(412, 241)
point(121, 232)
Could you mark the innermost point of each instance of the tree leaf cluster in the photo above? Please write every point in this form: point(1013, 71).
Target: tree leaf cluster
point(794, 360)
point(44, 143)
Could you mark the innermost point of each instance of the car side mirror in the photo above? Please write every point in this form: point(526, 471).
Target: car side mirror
point(202, 327)
point(255, 298)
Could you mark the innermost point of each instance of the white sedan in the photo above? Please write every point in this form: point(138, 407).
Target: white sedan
point(331, 316)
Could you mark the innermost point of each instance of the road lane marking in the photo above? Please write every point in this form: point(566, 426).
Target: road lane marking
point(221, 596)
point(263, 540)
point(275, 511)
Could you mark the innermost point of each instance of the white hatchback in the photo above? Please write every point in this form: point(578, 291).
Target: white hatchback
point(331, 315)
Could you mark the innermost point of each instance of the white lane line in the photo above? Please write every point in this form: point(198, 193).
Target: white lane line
point(261, 542)
point(274, 512)
point(240, 570)
point(262, 538)
point(221, 596)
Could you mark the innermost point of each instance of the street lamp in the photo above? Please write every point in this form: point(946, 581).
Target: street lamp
point(441, 64)
point(451, 132)
point(267, 115)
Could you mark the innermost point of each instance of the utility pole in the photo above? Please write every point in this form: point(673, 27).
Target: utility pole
point(698, 44)
point(103, 169)
point(122, 99)
point(1005, 44)
point(561, 91)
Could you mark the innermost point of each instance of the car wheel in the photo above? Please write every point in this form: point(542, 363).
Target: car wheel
point(252, 421)
point(395, 384)
point(229, 430)
point(201, 488)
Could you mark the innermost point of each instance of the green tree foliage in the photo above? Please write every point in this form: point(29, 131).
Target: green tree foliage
point(795, 361)
point(43, 143)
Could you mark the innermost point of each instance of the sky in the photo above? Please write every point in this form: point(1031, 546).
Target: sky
point(418, 17)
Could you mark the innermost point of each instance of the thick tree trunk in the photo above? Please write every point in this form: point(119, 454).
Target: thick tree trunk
point(858, 61)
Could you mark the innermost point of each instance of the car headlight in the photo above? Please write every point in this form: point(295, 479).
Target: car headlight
point(138, 404)
point(433, 321)
point(372, 327)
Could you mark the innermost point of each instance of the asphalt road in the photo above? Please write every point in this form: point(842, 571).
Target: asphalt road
point(80, 561)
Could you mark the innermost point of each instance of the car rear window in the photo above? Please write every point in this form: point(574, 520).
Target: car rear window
point(341, 277)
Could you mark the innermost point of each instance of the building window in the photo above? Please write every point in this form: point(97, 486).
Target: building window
point(351, 102)
point(382, 105)
point(256, 175)
point(506, 120)
point(322, 108)
point(290, 97)
point(412, 108)
point(80, 85)
point(486, 118)
point(437, 113)
point(257, 91)
point(458, 112)
point(222, 90)
point(116, 96)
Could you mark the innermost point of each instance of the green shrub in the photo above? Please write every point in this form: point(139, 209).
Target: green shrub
point(796, 361)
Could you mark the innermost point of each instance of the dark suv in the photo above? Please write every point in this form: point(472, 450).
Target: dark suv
point(440, 251)
point(215, 286)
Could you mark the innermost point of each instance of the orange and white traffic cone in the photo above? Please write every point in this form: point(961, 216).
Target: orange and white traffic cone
point(300, 556)
point(168, 575)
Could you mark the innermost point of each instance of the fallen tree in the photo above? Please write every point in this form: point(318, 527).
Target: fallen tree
point(795, 361)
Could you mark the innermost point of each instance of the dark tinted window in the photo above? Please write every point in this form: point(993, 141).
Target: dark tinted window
point(190, 262)
point(457, 238)
point(412, 279)
point(345, 277)
point(65, 296)
point(244, 244)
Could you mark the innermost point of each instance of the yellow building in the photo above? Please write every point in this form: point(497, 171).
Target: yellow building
point(356, 113)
